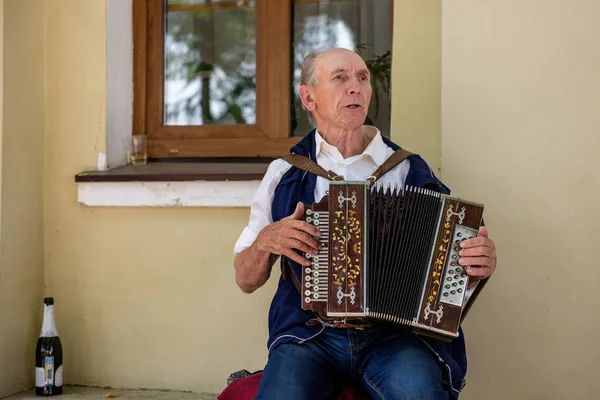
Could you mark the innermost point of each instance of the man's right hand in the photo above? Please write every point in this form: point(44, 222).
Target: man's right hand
point(290, 233)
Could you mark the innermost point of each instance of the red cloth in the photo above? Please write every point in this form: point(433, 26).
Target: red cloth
point(247, 389)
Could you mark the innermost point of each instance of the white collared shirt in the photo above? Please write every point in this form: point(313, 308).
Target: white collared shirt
point(358, 168)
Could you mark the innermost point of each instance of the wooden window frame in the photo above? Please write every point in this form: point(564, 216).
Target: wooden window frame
point(268, 137)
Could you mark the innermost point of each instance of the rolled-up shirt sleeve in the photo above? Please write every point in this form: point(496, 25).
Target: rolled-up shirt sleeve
point(260, 208)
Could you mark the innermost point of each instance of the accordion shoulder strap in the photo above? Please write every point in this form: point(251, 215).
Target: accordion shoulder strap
point(286, 269)
point(391, 162)
point(306, 164)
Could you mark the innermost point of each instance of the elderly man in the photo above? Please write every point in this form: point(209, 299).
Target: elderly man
point(309, 359)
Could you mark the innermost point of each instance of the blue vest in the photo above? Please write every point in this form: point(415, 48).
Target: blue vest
point(287, 320)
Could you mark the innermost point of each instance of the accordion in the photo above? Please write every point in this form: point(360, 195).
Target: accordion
point(390, 254)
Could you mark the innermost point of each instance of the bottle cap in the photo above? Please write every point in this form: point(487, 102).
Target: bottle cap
point(48, 301)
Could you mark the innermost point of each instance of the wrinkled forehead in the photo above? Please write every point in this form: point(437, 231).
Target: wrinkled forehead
point(339, 60)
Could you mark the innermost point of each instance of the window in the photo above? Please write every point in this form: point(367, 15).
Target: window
point(219, 78)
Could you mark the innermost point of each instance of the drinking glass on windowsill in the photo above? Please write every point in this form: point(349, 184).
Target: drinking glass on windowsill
point(139, 154)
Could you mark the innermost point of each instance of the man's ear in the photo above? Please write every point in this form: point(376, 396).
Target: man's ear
point(306, 97)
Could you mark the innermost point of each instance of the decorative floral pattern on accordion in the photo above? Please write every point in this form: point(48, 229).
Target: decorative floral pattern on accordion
point(439, 263)
point(345, 269)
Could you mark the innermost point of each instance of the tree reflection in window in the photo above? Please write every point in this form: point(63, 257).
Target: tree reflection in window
point(210, 65)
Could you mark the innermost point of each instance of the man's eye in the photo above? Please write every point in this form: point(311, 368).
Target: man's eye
point(338, 77)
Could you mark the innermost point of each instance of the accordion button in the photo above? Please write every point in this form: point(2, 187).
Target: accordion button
point(307, 270)
point(307, 284)
point(308, 212)
point(452, 264)
point(316, 281)
point(317, 215)
point(316, 266)
point(316, 223)
point(307, 300)
point(309, 220)
point(463, 275)
point(451, 272)
point(454, 256)
point(456, 249)
point(316, 295)
point(447, 286)
point(307, 279)
point(456, 276)
point(459, 290)
point(316, 259)
point(316, 274)
point(455, 284)
point(308, 255)
point(461, 282)
point(459, 234)
point(449, 278)
point(457, 242)
point(453, 292)
point(446, 294)
point(316, 288)
point(307, 293)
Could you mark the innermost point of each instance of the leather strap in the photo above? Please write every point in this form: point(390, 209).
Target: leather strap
point(391, 162)
point(287, 270)
point(306, 164)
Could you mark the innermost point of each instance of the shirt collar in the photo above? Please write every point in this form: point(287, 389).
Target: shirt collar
point(376, 148)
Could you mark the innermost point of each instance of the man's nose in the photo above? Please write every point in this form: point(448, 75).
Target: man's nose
point(354, 86)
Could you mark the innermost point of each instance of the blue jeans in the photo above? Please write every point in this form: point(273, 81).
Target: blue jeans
point(386, 363)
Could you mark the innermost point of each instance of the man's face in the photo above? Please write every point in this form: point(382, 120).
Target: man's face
point(342, 92)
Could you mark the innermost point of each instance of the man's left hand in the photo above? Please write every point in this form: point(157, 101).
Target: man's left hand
point(479, 255)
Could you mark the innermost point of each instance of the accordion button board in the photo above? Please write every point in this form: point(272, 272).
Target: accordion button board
point(456, 278)
point(390, 254)
point(315, 277)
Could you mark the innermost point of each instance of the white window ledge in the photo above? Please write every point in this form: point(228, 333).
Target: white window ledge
point(167, 194)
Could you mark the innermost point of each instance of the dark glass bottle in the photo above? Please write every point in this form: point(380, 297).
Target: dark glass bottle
point(48, 355)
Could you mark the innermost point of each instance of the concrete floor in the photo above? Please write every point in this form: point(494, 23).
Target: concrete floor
point(79, 392)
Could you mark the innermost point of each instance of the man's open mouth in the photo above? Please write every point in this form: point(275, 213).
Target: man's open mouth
point(353, 106)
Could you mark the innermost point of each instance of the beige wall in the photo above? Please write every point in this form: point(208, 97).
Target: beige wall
point(21, 245)
point(416, 78)
point(145, 297)
point(521, 121)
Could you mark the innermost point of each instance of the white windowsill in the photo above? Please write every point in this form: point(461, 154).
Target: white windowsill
point(167, 194)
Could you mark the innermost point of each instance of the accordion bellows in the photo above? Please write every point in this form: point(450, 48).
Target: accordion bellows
point(390, 254)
